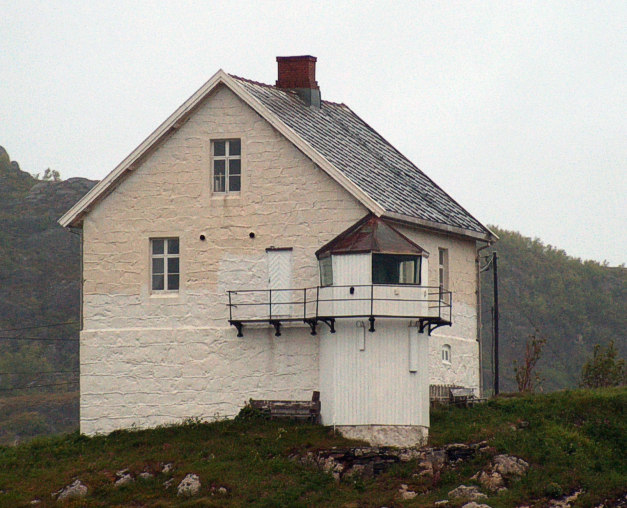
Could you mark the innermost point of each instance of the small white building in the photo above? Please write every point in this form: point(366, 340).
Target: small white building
point(263, 243)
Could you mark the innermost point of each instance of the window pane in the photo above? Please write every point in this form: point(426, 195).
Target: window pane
point(173, 265)
point(157, 282)
point(235, 147)
point(219, 148)
point(235, 167)
point(173, 246)
point(218, 183)
point(326, 272)
point(157, 265)
point(395, 269)
point(234, 183)
point(173, 281)
point(157, 246)
point(408, 272)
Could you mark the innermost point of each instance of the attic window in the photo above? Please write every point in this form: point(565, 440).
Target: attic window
point(226, 165)
point(395, 269)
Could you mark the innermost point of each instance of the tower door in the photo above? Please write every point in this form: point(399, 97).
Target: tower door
point(280, 281)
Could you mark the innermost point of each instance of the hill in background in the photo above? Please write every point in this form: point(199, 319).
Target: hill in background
point(573, 304)
point(39, 285)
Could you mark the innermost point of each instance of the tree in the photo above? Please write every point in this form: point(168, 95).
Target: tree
point(604, 368)
point(526, 376)
point(51, 175)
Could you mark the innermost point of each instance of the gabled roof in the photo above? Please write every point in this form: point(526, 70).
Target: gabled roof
point(337, 141)
point(371, 234)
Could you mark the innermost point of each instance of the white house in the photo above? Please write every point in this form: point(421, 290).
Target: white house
point(263, 243)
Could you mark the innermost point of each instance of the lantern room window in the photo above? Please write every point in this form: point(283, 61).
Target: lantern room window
point(395, 269)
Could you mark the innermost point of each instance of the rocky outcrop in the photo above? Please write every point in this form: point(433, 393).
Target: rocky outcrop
point(74, 490)
point(189, 486)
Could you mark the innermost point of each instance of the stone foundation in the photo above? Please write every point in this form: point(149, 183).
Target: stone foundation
point(387, 435)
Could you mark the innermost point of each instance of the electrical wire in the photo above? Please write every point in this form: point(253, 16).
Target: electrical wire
point(39, 338)
point(50, 325)
point(41, 372)
point(37, 386)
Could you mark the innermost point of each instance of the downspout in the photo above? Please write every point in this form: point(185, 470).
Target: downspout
point(479, 325)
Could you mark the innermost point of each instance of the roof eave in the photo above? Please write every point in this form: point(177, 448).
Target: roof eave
point(75, 214)
point(488, 236)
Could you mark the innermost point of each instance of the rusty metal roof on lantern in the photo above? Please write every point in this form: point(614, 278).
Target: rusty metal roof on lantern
point(365, 158)
point(371, 234)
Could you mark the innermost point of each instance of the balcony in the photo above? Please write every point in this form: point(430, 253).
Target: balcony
point(429, 306)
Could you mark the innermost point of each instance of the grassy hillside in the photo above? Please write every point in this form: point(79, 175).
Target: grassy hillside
point(572, 440)
point(571, 303)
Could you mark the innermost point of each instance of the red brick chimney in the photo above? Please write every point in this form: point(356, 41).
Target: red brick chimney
point(298, 73)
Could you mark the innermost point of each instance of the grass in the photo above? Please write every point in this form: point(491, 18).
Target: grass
point(573, 439)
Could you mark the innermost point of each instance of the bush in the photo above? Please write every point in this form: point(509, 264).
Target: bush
point(604, 368)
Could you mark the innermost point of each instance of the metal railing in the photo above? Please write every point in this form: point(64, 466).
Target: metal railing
point(333, 302)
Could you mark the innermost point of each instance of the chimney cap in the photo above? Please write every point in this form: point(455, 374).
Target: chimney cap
point(295, 58)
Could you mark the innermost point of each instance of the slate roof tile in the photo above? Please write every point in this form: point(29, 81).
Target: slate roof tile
point(365, 157)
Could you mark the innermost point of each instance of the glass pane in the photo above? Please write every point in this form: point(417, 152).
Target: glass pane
point(173, 246)
point(157, 265)
point(218, 183)
point(235, 147)
point(173, 281)
point(326, 272)
point(157, 282)
point(218, 176)
point(408, 272)
point(219, 148)
point(157, 246)
point(173, 265)
point(235, 167)
point(234, 183)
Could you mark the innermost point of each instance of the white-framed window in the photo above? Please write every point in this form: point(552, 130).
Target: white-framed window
point(164, 264)
point(226, 170)
point(446, 353)
point(443, 269)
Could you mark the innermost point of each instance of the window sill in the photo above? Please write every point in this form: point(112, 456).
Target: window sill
point(164, 294)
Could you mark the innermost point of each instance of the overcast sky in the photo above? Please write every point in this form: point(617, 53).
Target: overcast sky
point(517, 109)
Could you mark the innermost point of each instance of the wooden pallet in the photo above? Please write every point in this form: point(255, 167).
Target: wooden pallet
point(307, 410)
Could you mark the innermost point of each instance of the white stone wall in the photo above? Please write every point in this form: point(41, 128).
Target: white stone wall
point(462, 335)
point(149, 359)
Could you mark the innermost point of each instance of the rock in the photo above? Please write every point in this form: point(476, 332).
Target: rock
point(405, 493)
point(566, 501)
point(189, 486)
point(443, 502)
point(124, 479)
point(145, 475)
point(508, 465)
point(407, 454)
point(75, 490)
point(464, 492)
point(222, 490)
point(472, 504)
point(491, 481)
point(427, 469)
point(35, 501)
point(437, 458)
point(168, 483)
point(459, 451)
point(167, 468)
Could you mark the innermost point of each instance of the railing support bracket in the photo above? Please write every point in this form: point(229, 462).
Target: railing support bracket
point(239, 326)
point(330, 322)
point(371, 319)
point(312, 324)
point(277, 327)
